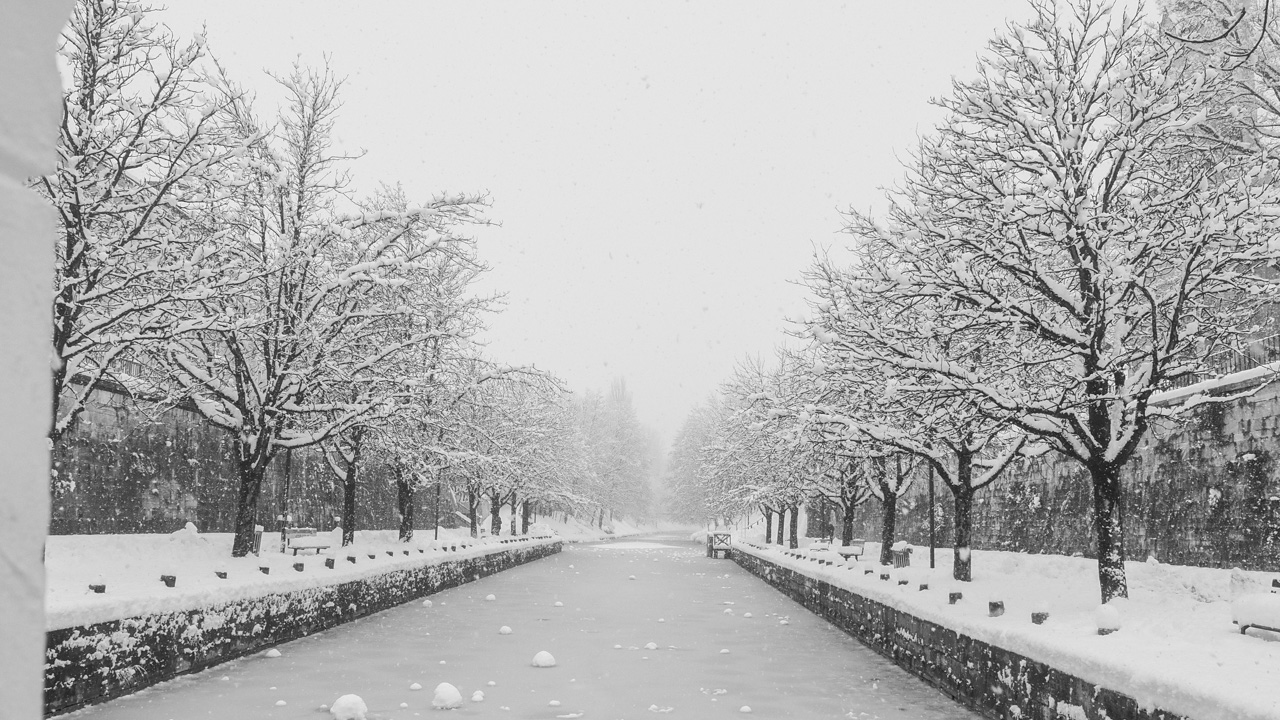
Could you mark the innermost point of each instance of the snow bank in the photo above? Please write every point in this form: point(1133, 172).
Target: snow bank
point(130, 566)
point(1178, 648)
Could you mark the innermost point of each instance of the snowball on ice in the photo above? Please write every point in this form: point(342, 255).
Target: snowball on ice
point(744, 709)
point(491, 683)
point(504, 630)
point(477, 696)
point(272, 653)
point(415, 686)
point(544, 659)
point(554, 703)
point(724, 651)
point(281, 703)
point(427, 603)
point(348, 707)
point(447, 697)
point(559, 604)
point(651, 646)
point(633, 577)
point(490, 597)
point(746, 615)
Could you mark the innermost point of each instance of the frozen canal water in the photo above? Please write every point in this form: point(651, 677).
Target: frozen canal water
point(646, 628)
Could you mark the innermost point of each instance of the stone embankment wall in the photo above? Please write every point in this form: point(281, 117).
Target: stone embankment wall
point(1201, 492)
point(86, 665)
point(989, 680)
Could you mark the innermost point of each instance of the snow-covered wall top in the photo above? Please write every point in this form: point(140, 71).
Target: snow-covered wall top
point(29, 113)
point(1177, 649)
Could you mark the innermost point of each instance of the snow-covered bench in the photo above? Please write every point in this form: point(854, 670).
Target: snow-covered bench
point(296, 539)
point(1257, 610)
point(853, 549)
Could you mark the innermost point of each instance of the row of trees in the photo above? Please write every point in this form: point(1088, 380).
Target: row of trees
point(1093, 221)
point(206, 255)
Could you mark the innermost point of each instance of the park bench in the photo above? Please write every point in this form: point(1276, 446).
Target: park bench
point(1258, 610)
point(819, 546)
point(719, 542)
point(853, 550)
point(296, 539)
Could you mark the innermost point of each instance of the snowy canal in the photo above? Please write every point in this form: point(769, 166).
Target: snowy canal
point(637, 628)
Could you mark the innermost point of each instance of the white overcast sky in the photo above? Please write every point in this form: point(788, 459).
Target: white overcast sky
point(662, 170)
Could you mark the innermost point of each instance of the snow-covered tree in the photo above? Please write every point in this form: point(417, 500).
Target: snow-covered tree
point(146, 141)
point(318, 268)
point(872, 350)
point(1070, 210)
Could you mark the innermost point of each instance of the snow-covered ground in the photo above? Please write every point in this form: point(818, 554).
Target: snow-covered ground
point(1177, 647)
point(636, 628)
point(130, 566)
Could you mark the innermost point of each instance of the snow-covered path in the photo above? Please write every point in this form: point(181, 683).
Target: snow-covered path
point(643, 629)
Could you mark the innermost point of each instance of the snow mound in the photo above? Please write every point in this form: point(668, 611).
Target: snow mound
point(272, 653)
point(558, 604)
point(415, 686)
point(504, 630)
point(554, 703)
point(447, 697)
point(490, 597)
point(477, 696)
point(1108, 617)
point(651, 646)
point(427, 603)
point(544, 659)
point(348, 707)
point(744, 709)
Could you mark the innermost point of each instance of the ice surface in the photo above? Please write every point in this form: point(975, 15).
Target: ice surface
point(807, 670)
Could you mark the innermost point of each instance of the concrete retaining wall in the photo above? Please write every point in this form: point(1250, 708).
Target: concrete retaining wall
point(86, 665)
point(989, 680)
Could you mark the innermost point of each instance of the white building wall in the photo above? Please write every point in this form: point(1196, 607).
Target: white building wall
point(30, 108)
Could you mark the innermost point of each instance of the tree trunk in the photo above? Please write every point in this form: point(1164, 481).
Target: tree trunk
point(782, 521)
point(1108, 522)
point(349, 503)
point(963, 552)
point(495, 514)
point(888, 526)
point(600, 521)
point(514, 513)
point(472, 505)
point(404, 501)
point(768, 525)
point(793, 538)
point(524, 517)
point(846, 526)
point(247, 506)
